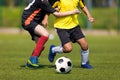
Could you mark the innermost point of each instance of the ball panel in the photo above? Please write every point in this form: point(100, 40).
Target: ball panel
point(62, 69)
point(69, 63)
point(60, 61)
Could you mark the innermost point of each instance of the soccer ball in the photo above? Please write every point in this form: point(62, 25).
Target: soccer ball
point(63, 65)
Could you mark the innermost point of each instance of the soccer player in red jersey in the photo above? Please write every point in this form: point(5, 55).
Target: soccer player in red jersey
point(34, 15)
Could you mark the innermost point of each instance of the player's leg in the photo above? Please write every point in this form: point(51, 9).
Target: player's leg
point(40, 42)
point(78, 36)
point(84, 50)
point(40, 39)
point(66, 46)
point(84, 53)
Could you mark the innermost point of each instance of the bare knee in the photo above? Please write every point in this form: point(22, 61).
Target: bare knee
point(67, 49)
point(83, 43)
point(84, 47)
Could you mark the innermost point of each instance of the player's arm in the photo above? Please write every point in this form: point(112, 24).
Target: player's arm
point(61, 14)
point(86, 11)
point(45, 20)
point(47, 7)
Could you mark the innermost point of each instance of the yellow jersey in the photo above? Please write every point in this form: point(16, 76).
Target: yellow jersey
point(70, 21)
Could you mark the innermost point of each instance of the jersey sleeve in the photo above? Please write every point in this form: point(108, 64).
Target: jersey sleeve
point(47, 7)
point(81, 3)
point(56, 4)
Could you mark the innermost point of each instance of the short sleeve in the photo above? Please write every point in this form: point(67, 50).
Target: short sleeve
point(81, 2)
point(55, 4)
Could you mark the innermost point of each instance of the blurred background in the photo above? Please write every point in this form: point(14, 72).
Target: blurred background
point(105, 12)
point(15, 49)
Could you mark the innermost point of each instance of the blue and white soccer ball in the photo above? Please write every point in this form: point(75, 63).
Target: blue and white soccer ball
point(63, 65)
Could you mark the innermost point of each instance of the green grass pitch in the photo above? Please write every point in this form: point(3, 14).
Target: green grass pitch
point(104, 55)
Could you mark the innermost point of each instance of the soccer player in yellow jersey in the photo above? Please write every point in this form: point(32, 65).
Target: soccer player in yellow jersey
point(69, 31)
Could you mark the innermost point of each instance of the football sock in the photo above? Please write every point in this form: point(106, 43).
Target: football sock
point(57, 49)
point(39, 46)
point(84, 56)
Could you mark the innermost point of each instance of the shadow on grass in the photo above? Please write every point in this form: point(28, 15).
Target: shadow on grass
point(39, 67)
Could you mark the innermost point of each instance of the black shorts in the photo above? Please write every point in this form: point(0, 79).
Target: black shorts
point(30, 28)
point(67, 35)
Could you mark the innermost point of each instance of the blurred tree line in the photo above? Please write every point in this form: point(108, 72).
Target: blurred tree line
point(11, 10)
point(13, 3)
point(95, 3)
point(104, 3)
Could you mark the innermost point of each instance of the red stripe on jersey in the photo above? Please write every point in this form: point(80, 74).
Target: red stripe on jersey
point(31, 17)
